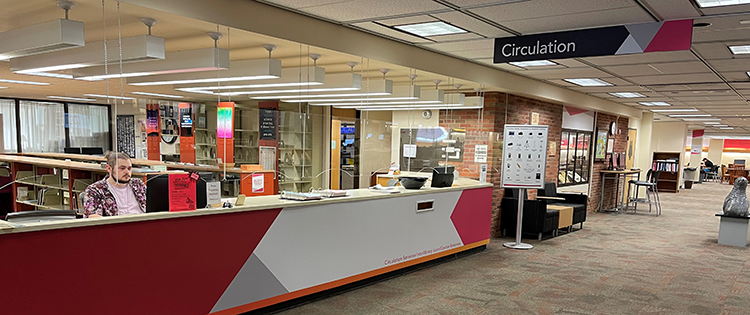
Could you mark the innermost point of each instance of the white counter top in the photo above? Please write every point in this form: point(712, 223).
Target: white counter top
point(251, 204)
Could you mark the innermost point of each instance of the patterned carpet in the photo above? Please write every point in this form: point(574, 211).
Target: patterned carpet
point(618, 264)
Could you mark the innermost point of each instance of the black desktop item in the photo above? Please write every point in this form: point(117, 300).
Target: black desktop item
point(200, 189)
point(40, 216)
point(740, 161)
point(92, 151)
point(442, 176)
point(72, 150)
point(157, 193)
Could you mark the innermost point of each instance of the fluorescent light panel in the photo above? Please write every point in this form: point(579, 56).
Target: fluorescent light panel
point(726, 128)
point(427, 97)
point(110, 96)
point(711, 122)
point(689, 115)
point(740, 50)
point(719, 3)
point(674, 110)
point(533, 63)
point(72, 98)
point(400, 93)
point(287, 77)
point(701, 119)
point(430, 29)
point(654, 103)
point(157, 95)
point(3, 87)
point(134, 49)
point(205, 59)
point(286, 98)
point(23, 82)
point(41, 38)
point(50, 75)
point(473, 102)
point(588, 82)
point(261, 69)
point(334, 83)
point(458, 100)
point(627, 94)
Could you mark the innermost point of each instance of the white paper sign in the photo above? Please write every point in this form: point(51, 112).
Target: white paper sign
point(480, 153)
point(213, 193)
point(524, 156)
point(483, 173)
point(258, 185)
point(410, 150)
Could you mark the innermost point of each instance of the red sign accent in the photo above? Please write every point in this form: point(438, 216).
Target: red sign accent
point(698, 133)
point(181, 193)
point(673, 35)
point(572, 111)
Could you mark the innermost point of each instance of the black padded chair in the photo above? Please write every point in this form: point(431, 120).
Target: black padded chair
point(713, 173)
point(579, 202)
point(652, 179)
point(537, 219)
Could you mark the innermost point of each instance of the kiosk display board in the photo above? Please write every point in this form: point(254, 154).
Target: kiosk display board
point(524, 156)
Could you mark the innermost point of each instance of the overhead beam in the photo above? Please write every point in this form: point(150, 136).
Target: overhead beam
point(275, 22)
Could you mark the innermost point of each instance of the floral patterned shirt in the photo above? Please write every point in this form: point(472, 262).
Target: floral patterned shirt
point(99, 199)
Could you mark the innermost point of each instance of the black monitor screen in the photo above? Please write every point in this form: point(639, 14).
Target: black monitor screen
point(157, 193)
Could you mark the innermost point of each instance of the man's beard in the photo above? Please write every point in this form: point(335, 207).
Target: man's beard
point(120, 181)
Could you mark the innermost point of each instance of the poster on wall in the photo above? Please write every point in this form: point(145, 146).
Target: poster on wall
point(611, 145)
point(126, 134)
point(601, 145)
point(268, 123)
point(524, 156)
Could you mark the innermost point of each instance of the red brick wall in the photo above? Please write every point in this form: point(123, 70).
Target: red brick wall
point(490, 132)
point(621, 140)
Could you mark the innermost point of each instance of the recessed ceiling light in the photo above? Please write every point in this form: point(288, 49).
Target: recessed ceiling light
point(740, 50)
point(726, 128)
point(72, 98)
point(51, 75)
point(3, 87)
point(719, 126)
point(654, 103)
point(109, 96)
point(674, 110)
point(588, 82)
point(701, 119)
point(23, 82)
point(157, 95)
point(720, 3)
point(533, 63)
point(627, 94)
point(745, 22)
point(711, 122)
point(430, 29)
point(690, 115)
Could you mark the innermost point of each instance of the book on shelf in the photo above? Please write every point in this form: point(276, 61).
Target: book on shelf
point(665, 166)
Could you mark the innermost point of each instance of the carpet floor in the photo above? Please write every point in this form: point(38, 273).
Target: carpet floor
point(618, 264)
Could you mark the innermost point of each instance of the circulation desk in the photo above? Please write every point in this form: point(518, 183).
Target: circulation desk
point(230, 261)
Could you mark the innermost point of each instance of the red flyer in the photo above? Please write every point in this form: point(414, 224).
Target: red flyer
point(181, 193)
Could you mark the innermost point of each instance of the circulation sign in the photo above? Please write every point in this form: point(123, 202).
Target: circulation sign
point(605, 41)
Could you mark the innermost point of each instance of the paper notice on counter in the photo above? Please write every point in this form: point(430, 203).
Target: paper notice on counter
point(483, 173)
point(480, 153)
point(213, 193)
point(258, 183)
point(410, 150)
point(181, 193)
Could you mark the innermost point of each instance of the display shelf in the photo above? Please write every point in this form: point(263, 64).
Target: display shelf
point(44, 207)
point(669, 180)
point(64, 186)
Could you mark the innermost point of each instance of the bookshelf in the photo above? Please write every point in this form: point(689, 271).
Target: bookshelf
point(245, 135)
point(205, 137)
point(670, 164)
point(295, 152)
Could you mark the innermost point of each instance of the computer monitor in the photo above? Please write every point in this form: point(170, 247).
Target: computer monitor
point(35, 216)
point(72, 150)
point(157, 193)
point(92, 151)
point(740, 161)
point(200, 189)
point(621, 160)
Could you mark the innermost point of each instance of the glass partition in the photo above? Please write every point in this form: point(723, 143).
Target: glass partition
point(574, 163)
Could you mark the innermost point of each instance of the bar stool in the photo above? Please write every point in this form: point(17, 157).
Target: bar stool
point(652, 178)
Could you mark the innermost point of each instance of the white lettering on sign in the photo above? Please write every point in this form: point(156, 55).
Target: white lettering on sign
point(553, 47)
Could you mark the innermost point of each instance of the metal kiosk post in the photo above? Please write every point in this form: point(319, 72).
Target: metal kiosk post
point(524, 167)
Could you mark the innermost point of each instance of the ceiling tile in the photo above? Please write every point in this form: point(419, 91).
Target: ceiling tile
point(673, 9)
point(676, 78)
point(455, 37)
point(719, 35)
point(471, 24)
point(358, 10)
point(633, 70)
point(472, 3)
point(296, 4)
point(741, 85)
point(579, 20)
point(570, 63)
point(567, 73)
point(653, 57)
point(480, 44)
point(713, 51)
point(681, 67)
point(735, 64)
point(608, 89)
point(383, 30)
point(473, 54)
point(726, 9)
point(408, 20)
point(735, 76)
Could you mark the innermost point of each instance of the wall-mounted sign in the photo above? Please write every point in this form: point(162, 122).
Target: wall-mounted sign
point(524, 156)
point(604, 41)
point(268, 123)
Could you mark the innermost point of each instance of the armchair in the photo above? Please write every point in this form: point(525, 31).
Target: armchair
point(537, 219)
point(578, 202)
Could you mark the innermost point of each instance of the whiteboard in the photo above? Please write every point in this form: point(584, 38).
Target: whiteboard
point(524, 156)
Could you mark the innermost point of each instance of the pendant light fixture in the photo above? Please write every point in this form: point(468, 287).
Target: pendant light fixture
point(43, 38)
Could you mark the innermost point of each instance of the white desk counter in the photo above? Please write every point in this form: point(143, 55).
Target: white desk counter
point(229, 261)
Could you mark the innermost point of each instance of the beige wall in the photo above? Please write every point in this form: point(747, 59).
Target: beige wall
point(375, 144)
point(404, 119)
point(715, 150)
point(729, 157)
point(643, 144)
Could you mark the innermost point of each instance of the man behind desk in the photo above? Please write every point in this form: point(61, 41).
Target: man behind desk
point(117, 193)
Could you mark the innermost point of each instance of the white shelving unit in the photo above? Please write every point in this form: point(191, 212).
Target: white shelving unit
point(245, 136)
point(205, 139)
point(295, 153)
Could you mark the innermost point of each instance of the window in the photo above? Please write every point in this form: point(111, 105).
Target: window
point(8, 112)
point(88, 126)
point(42, 126)
point(574, 158)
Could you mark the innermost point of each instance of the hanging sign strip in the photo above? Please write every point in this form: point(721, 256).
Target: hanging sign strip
point(604, 41)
